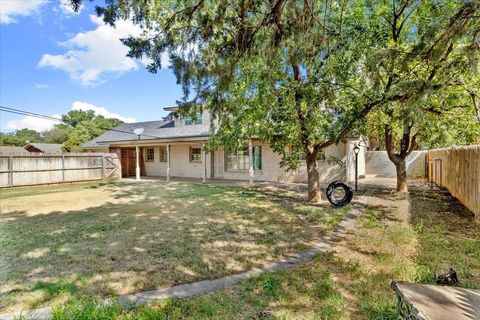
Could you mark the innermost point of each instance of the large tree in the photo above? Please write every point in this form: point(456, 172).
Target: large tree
point(445, 119)
point(297, 74)
point(81, 126)
point(20, 137)
point(437, 75)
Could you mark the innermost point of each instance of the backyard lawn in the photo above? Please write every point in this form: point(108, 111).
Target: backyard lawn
point(399, 237)
point(71, 242)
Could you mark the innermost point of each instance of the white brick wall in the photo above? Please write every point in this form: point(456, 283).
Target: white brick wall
point(378, 164)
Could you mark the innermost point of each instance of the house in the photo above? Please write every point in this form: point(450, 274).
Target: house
point(44, 147)
point(174, 147)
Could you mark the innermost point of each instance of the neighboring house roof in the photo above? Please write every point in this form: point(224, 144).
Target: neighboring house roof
point(153, 130)
point(13, 150)
point(44, 147)
point(92, 144)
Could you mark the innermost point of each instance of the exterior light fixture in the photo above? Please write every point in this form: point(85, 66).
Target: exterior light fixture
point(356, 150)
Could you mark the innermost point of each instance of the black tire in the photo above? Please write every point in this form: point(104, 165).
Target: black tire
point(346, 198)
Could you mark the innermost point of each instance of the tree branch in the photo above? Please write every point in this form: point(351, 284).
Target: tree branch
point(476, 105)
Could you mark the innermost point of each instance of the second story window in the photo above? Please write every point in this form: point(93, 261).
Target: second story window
point(198, 120)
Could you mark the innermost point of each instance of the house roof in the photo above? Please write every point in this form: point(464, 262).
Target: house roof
point(13, 150)
point(153, 130)
point(47, 147)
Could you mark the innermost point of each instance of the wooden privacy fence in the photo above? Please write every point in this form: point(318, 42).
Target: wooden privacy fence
point(27, 170)
point(458, 170)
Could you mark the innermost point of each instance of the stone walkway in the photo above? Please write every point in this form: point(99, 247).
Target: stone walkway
point(207, 286)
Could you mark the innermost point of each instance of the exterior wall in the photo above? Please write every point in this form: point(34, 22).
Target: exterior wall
point(378, 164)
point(180, 165)
point(329, 170)
point(155, 167)
point(333, 168)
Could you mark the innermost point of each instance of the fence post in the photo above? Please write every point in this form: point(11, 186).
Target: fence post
point(63, 168)
point(103, 166)
point(10, 169)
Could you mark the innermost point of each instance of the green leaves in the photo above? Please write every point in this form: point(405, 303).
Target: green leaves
point(303, 74)
point(77, 128)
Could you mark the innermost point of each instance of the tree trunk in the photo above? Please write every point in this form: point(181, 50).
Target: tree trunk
point(313, 178)
point(401, 167)
point(407, 145)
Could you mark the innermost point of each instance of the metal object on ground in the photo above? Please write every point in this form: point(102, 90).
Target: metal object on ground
point(332, 197)
point(432, 302)
point(448, 279)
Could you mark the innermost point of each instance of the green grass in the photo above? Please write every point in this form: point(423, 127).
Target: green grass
point(95, 240)
point(397, 238)
point(410, 238)
point(306, 291)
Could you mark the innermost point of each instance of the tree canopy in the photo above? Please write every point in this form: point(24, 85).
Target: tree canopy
point(78, 127)
point(301, 74)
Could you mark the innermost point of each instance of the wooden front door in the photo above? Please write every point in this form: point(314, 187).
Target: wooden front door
point(129, 162)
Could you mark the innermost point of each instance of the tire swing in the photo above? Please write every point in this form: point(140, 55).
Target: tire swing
point(347, 194)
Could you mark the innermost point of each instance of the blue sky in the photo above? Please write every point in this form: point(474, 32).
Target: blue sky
point(53, 60)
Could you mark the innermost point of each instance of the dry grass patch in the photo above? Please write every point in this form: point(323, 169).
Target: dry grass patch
point(96, 240)
point(399, 237)
point(405, 237)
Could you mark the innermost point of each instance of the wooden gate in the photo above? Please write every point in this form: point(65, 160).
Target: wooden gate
point(128, 161)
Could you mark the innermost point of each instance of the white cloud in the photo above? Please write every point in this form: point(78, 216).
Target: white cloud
point(95, 56)
point(41, 86)
point(33, 123)
point(79, 105)
point(38, 124)
point(10, 9)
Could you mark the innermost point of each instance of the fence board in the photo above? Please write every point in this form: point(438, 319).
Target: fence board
point(458, 170)
point(25, 170)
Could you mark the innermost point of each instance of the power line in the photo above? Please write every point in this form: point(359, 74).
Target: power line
point(32, 114)
point(45, 117)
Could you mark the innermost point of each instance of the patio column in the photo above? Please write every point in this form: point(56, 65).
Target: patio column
point(204, 157)
point(250, 158)
point(137, 157)
point(168, 162)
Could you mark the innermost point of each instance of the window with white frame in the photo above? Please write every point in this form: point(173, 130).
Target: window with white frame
point(239, 159)
point(150, 154)
point(195, 154)
point(163, 154)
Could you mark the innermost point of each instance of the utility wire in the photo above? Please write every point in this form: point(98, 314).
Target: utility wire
point(42, 116)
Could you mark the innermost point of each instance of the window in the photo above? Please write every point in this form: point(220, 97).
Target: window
point(239, 160)
point(150, 154)
point(198, 119)
point(163, 154)
point(195, 154)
